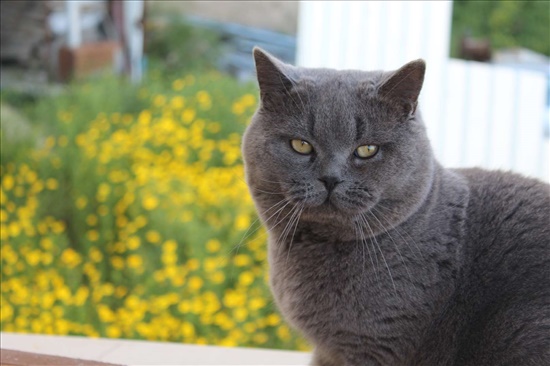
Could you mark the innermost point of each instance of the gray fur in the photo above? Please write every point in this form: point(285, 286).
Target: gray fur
point(404, 262)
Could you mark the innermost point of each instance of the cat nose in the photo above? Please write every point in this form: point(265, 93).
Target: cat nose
point(330, 182)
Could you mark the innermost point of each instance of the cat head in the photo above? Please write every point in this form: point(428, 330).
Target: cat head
point(337, 143)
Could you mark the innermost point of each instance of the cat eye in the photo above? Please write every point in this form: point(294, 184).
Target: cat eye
point(366, 151)
point(301, 146)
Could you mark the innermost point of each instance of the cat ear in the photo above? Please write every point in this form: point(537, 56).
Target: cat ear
point(404, 85)
point(274, 77)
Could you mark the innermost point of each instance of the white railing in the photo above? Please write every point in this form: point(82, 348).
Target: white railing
point(477, 114)
point(133, 352)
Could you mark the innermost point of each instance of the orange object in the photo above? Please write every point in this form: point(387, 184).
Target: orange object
point(86, 59)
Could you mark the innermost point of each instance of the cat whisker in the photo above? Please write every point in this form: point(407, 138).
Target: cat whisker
point(297, 220)
point(365, 244)
point(357, 230)
point(266, 192)
point(394, 243)
point(381, 252)
point(376, 208)
point(246, 235)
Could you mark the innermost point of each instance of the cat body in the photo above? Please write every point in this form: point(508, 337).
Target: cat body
point(379, 255)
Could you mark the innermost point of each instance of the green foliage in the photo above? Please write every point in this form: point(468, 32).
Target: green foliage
point(505, 23)
point(178, 45)
point(122, 220)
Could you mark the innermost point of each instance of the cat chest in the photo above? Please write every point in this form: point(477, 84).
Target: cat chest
point(343, 299)
point(322, 294)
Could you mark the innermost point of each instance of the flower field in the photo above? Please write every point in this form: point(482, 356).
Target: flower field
point(128, 217)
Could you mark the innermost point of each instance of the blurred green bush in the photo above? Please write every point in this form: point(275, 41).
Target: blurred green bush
point(507, 24)
point(124, 213)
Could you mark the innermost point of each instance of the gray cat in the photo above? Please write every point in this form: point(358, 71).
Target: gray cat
point(379, 255)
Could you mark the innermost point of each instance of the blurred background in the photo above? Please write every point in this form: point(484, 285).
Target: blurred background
point(124, 212)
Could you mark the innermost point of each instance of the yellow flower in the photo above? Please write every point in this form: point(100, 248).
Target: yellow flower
point(52, 184)
point(93, 235)
point(214, 127)
point(91, 220)
point(96, 255)
point(169, 259)
point(240, 314)
point(14, 229)
point(242, 260)
point(217, 277)
point(152, 236)
point(213, 245)
point(80, 140)
point(246, 278)
point(133, 242)
point(159, 100)
point(283, 333)
point(149, 202)
point(70, 258)
point(121, 221)
point(120, 291)
point(46, 243)
point(178, 85)
point(135, 261)
point(50, 142)
point(117, 262)
point(195, 283)
point(47, 258)
point(170, 245)
point(8, 182)
point(102, 210)
point(81, 202)
point(273, 319)
point(186, 216)
point(184, 307)
point(238, 108)
point(58, 227)
point(257, 303)
point(33, 257)
point(188, 115)
point(140, 221)
point(113, 331)
point(193, 264)
point(187, 330)
point(248, 99)
point(177, 102)
point(105, 314)
point(81, 296)
point(103, 192)
point(260, 338)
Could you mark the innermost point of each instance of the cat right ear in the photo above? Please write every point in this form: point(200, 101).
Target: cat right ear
point(274, 77)
point(404, 85)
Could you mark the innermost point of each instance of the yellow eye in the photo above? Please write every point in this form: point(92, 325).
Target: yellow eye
point(301, 146)
point(366, 151)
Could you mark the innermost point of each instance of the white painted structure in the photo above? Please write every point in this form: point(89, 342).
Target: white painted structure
point(132, 13)
point(477, 114)
point(133, 352)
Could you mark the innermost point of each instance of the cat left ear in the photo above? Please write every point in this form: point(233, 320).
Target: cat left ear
point(404, 85)
point(274, 77)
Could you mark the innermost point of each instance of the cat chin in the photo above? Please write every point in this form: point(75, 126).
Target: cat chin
point(328, 212)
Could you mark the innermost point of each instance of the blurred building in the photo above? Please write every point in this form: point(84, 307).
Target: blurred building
point(277, 16)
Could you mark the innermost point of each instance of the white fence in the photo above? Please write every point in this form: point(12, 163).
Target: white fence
point(477, 114)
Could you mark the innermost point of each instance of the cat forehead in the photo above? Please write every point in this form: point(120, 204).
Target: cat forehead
point(333, 79)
